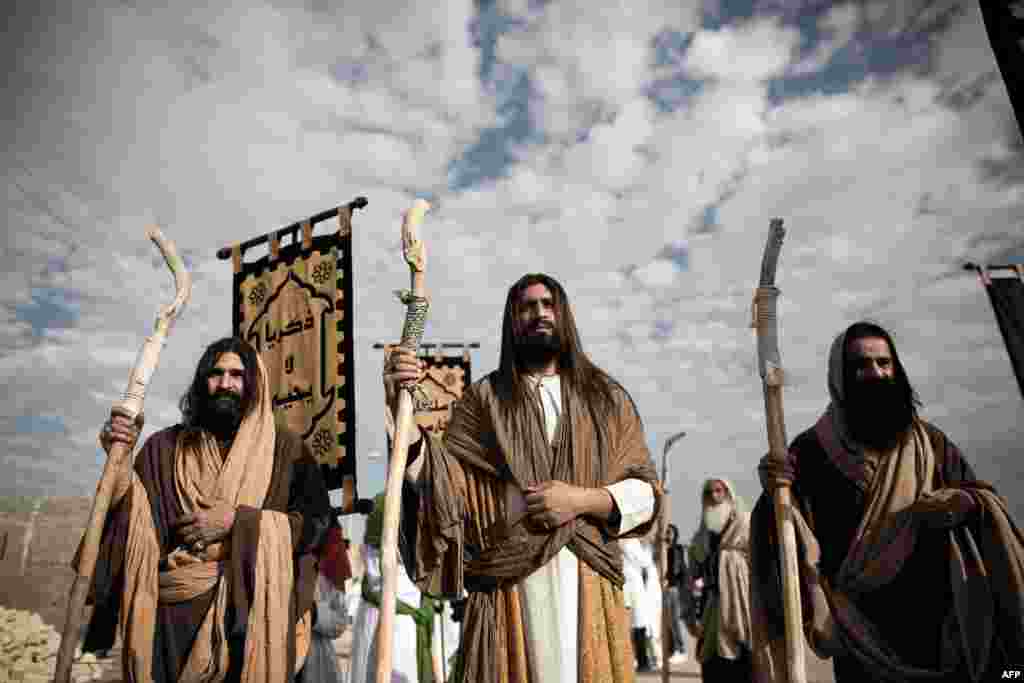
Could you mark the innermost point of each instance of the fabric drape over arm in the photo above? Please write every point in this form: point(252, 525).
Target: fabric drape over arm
point(961, 587)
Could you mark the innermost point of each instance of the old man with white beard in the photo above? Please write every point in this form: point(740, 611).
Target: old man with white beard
point(720, 555)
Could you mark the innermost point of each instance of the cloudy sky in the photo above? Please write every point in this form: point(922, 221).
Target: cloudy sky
point(634, 150)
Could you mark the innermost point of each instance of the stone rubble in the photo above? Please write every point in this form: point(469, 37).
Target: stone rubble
point(28, 651)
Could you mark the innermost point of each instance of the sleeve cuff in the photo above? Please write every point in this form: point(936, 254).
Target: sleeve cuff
point(634, 500)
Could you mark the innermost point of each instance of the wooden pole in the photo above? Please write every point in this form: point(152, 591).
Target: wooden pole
point(666, 612)
point(766, 322)
point(412, 334)
point(118, 463)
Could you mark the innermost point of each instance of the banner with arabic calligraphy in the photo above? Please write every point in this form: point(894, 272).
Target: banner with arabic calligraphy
point(1004, 23)
point(295, 306)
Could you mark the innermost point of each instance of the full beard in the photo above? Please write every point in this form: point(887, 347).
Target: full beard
point(878, 413)
point(716, 517)
point(538, 347)
point(221, 414)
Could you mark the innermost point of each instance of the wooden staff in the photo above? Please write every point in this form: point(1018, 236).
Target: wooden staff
point(412, 333)
point(119, 459)
point(770, 364)
point(666, 611)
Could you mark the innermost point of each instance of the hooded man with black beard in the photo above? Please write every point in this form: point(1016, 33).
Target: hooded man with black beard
point(207, 561)
point(910, 567)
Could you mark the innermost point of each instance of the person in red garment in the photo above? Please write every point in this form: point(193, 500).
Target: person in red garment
point(911, 568)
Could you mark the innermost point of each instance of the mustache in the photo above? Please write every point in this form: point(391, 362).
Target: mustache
point(225, 395)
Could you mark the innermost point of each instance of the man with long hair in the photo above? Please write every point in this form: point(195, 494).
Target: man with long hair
point(208, 550)
point(911, 567)
point(720, 556)
point(521, 502)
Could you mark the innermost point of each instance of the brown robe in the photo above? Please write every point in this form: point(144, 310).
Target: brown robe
point(952, 609)
point(296, 488)
point(455, 536)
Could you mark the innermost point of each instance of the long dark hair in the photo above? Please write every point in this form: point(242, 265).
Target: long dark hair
point(574, 366)
point(193, 401)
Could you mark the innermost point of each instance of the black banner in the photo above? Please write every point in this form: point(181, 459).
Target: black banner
point(1007, 297)
point(1004, 22)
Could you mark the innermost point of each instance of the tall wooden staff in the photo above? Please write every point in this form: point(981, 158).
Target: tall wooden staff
point(119, 459)
point(412, 333)
point(666, 611)
point(770, 364)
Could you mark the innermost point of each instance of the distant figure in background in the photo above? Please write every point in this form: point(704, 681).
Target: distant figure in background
point(330, 617)
point(678, 595)
point(411, 658)
point(720, 556)
point(635, 562)
point(653, 597)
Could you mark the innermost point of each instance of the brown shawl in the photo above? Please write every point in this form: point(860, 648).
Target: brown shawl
point(202, 476)
point(463, 539)
point(986, 570)
point(731, 604)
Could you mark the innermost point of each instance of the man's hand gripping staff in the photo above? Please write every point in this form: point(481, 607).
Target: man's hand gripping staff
point(770, 363)
point(406, 394)
point(118, 440)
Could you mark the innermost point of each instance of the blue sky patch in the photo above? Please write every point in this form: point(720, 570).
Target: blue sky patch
point(678, 253)
point(491, 155)
point(662, 329)
point(50, 308)
point(39, 424)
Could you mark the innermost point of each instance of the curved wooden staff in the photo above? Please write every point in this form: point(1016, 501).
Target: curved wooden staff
point(119, 459)
point(770, 364)
point(416, 304)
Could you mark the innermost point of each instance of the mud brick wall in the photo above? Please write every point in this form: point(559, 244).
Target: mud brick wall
point(55, 532)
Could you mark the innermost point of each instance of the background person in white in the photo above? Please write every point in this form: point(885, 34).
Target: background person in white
point(637, 563)
point(544, 465)
point(364, 634)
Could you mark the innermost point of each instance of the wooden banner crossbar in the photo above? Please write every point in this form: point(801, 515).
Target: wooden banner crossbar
point(1016, 267)
point(292, 231)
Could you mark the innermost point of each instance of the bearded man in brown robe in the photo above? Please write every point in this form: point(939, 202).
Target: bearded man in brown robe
point(543, 466)
point(911, 569)
point(720, 555)
point(207, 553)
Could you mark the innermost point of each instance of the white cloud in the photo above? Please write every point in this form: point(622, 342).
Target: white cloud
point(758, 49)
point(270, 114)
point(587, 60)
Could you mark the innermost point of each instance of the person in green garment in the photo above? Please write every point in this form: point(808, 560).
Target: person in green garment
point(413, 639)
